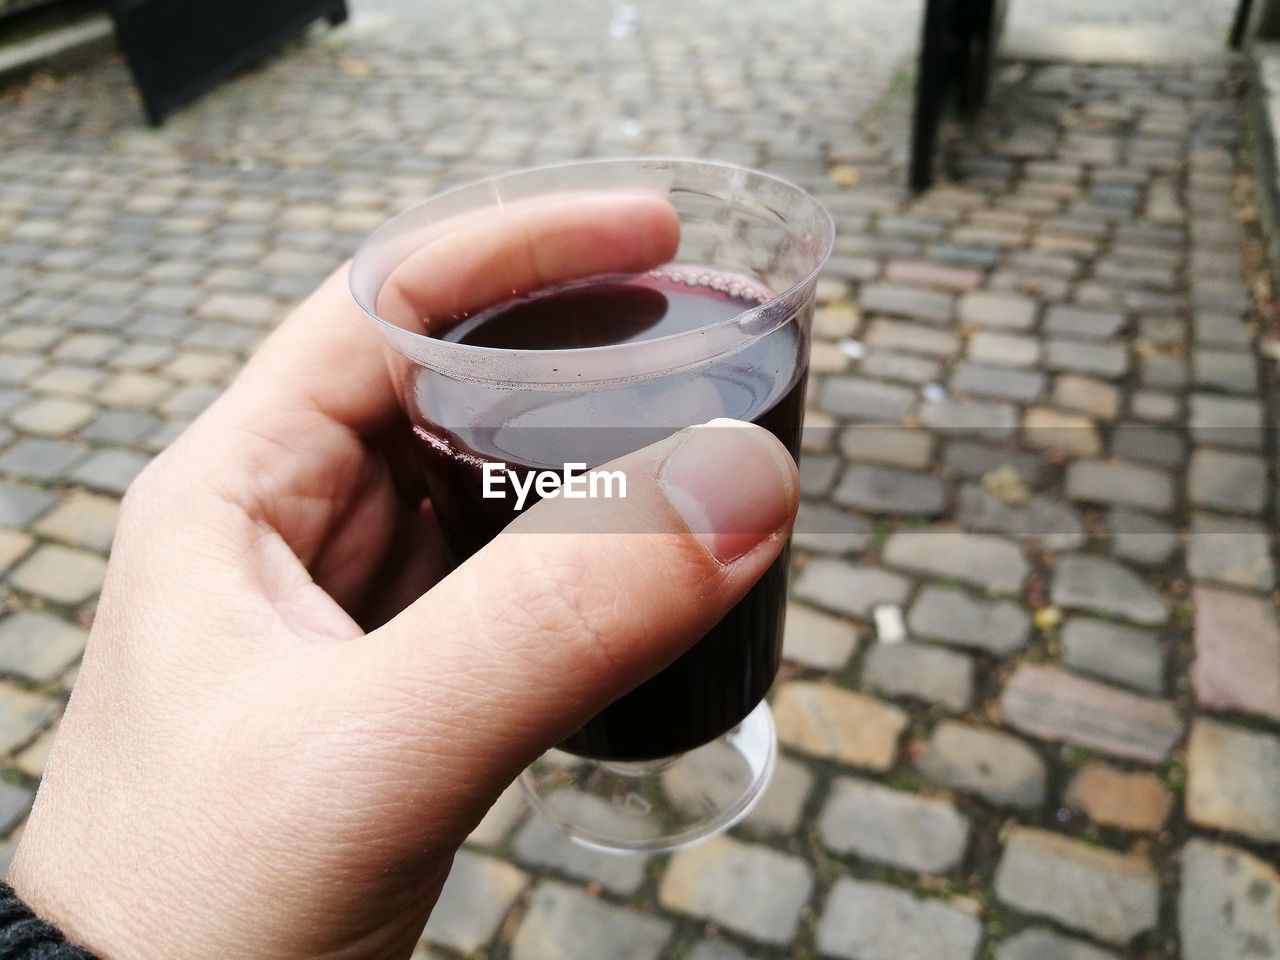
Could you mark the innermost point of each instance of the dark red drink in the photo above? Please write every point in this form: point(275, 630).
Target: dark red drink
point(721, 679)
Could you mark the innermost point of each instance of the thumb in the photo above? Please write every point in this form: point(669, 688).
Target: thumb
point(579, 601)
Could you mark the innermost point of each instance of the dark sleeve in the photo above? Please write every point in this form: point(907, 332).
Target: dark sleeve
point(24, 936)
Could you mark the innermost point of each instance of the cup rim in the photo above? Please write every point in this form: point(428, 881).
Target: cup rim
point(419, 347)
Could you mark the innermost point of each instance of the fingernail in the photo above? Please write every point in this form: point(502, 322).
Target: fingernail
point(732, 483)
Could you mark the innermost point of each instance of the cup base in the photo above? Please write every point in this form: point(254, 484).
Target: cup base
point(656, 805)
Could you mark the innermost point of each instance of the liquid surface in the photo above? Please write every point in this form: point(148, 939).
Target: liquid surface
point(461, 425)
point(603, 312)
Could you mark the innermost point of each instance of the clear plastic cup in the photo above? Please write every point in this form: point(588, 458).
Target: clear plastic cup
point(685, 754)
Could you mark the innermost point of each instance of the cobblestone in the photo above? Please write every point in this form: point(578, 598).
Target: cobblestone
point(1112, 651)
point(564, 923)
point(873, 921)
point(953, 616)
point(82, 520)
point(1230, 551)
point(21, 504)
point(996, 766)
point(1039, 943)
point(890, 490)
point(1114, 798)
point(1102, 586)
point(475, 899)
point(38, 646)
point(1237, 653)
point(752, 890)
point(1140, 538)
point(1227, 481)
point(1052, 704)
point(1108, 895)
point(1231, 776)
point(1001, 311)
point(23, 715)
point(892, 827)
point(540, 843)
point(824, 721)
point(920, 671)
point(983, 561)
point(60, 574)
point(818, 640)
point(848, 588)
point(1229, 903)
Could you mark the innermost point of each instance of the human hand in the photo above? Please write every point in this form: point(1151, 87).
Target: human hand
point(286, 722)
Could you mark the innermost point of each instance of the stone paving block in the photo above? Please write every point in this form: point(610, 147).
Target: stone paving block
point(501, 817)
point(475, 899)
point(1237, 644)
point(890, 490)
point(1111, 651)
point(1103, 360)
point(13, 546)
point(1003, 349)
point(996, 766)
point(110, 470)
point(1140, 538)
point(1221, 330)
point(1162, 371)
point(1228, 903)
point(873, 921)
point(52, 416)
point(972, 460)
point(20, 504)
point(565, 923)
point(1055, 432)
point(1049, 523)
point(899, 366)
point(825, 721)
point(1040, 943)
point(134, 389)
point(892, 446)
point(37, 646)
point(817, 474)
point(899, 829)
point(1115, 798)
point(60, 574)
point(1221, 480)
point(1068, 321)
point(1049, 703)
point(71, 381)
point(15, 802)
point(1086, 395)
point(1230, 551)
point(1226, 421)
point(1119, 483)
point(34, 757)
point(925, 273)
point(896, 335)
point(835, 321)
point(950, 417)
point(984, 561)
point(919, 670)
point(953, 616)
point(817, 640)
point(1003, 311)
point(1231, 778)
point(1227, 370)
point(1111, 896)
point(40, 459)
point(1103, 586)
point(717, 950)
point(857, 398)
point(823, 528)
point(853, 589)
point(1000, 383)
point(542, 844)
point(778, 812)
point(1140, 443)
point(22, 715)
point(904, 301)
point(752, 890)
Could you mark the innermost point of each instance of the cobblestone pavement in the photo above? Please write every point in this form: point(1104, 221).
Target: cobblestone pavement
point(1037, 434)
